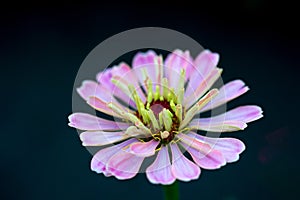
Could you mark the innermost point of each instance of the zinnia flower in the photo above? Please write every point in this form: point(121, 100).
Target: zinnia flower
point(156, 105)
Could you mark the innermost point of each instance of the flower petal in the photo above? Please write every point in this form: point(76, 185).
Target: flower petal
point(174, 63)
point(121, 70)
point(246, 114)
point(204, 64)
point(200, 89)
point(87, 89)
point(206, 61)
point(100, 138)
point(84, 121)
point(144, 149)
point(124, 165)
point(204, 147)
point(207, 124)
point(91, 88)
point(144, 65)
point(182, 168)
point(100, 159)
point(204, 157)
point(232, 120)
point(148, 66)
point(213, 160)
point(122, 82)
point(227, 92)
point(229, 147)
point(159, 172)
point(101, 106)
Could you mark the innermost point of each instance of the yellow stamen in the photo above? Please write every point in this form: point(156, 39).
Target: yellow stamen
point(173, 95)
point(157, 93)
point(161, 98)
point(145, 116)
point(153, 120)
point(178, 112)
point(149, 85)
point(172, 104)
point(180, 96)
point(166, 118)
point(181, 80)
point(165, 87)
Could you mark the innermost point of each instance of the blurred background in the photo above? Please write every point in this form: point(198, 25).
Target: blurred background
point(43, 46)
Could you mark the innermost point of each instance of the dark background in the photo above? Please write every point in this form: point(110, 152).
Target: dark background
point(42, 47)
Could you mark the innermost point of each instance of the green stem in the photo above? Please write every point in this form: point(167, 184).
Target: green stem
point(171, 191)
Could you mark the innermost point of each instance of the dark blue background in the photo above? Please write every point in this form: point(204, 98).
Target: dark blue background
point(42, 47)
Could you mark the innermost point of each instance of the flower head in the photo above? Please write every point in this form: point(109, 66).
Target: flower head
point(157, 105)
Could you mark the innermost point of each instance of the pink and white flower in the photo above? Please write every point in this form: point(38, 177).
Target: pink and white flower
point(158, 103)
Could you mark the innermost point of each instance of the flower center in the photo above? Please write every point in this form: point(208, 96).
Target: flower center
point(158, 106)
point(164, 123)
point(162, 113)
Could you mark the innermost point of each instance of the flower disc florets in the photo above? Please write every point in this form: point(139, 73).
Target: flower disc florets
point(161, 113)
